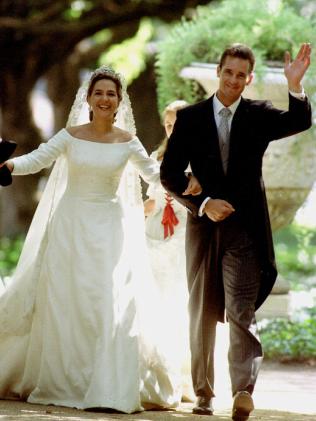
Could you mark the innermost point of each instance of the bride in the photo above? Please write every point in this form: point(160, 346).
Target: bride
point(81, 324)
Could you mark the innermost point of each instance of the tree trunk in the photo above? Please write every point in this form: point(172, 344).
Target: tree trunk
point(63, 82)
point(143, 96)
point(18, 201)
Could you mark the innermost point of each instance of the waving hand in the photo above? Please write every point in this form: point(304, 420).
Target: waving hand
point(296, 69)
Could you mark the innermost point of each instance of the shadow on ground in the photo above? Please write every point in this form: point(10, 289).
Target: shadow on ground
point(21, 411)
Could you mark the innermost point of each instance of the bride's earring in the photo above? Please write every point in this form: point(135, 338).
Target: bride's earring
point(90, 113)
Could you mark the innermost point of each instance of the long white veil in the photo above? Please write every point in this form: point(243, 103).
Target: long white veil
point(18, 299)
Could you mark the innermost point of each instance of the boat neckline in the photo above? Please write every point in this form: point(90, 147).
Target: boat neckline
point(100, 143)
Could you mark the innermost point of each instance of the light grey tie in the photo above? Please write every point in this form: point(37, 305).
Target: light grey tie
point(223, 135)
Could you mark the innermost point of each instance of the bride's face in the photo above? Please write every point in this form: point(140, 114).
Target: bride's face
point(104, 99)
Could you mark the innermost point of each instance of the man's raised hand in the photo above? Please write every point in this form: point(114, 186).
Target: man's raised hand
point(295, 70)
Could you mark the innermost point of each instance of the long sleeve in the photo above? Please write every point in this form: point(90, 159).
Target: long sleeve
point(278, 124)
point(147, 167)
point(152, 187)
point(41, 157)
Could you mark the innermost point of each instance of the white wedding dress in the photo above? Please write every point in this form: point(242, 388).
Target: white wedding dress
point(94, 336)
point(168, 263)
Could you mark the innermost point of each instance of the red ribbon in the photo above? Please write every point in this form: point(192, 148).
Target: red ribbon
point(169, 219)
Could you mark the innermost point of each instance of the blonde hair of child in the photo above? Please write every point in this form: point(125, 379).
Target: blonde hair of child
point(172, 107)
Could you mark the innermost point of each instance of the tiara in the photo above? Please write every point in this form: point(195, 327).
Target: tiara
point(106, 70)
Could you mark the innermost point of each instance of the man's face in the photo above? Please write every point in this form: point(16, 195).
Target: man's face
point(233, 76)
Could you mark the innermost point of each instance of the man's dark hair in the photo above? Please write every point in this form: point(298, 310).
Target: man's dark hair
point(240, 51)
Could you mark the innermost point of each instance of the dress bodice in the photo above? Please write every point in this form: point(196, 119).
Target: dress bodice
point(94, 168)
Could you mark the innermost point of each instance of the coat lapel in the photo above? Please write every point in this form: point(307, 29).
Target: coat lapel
point(238, 125)
point(208, 118)
point(208, 127)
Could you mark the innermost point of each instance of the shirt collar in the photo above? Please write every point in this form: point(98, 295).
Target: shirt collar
point(217, 105)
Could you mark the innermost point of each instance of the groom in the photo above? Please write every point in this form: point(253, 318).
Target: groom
point(230, 257)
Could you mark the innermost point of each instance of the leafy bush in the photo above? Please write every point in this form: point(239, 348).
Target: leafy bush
point(295, 248)
point(9, 254)
point(288, 340)
point(293, 340)
point(270, 32)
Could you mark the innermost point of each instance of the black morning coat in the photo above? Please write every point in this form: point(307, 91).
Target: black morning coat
point(194, 140)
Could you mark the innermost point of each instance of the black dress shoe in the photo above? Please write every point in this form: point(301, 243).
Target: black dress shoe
point(243, 405)
point(203, 406)
point(6, 150)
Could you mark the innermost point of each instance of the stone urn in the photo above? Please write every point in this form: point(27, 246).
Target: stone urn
point(289, 166)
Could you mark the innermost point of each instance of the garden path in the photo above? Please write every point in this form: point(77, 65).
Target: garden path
point(283, 393)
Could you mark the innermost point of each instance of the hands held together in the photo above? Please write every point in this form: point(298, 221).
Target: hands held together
point(216, 209)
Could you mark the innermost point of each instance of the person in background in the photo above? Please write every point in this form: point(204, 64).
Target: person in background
point(165, 233)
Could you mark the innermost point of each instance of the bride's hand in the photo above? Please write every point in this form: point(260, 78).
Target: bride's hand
point(149, 206)
point(194, 187)
point(9, 165)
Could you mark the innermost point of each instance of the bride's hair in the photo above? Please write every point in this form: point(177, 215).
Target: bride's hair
point(101, 73)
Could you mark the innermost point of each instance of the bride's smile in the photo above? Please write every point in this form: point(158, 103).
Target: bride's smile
point(104, 99)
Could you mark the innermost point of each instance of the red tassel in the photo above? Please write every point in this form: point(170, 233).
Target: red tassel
point(169, 219)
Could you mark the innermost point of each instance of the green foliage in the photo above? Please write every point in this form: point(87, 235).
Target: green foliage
point(77, 8)
point(295, 248)
point(288, 340)
point(9, 254)
point(304, 7)
point(268, 31)
point(293, 340)
point(129, 57)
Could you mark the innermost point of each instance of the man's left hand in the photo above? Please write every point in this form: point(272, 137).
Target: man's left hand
point(294, 71)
